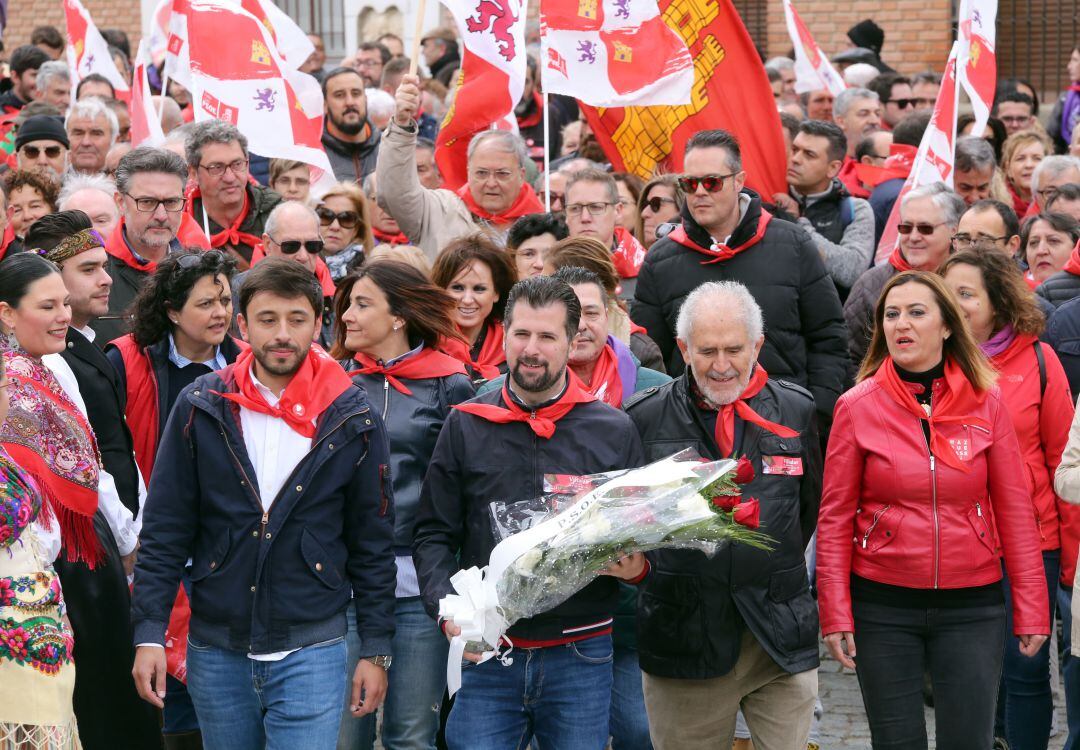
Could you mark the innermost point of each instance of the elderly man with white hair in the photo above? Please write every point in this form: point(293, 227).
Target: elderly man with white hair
point(785, 68)
point(494, 196)
point(96, 196)
point(92, 128)
point(1049, 175)
point(53, 84)
point(737, 630)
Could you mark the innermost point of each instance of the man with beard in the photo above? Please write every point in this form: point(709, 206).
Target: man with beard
point(350, 140)
point(150, 182)
point(370, 59)
point(544, 421)
point(273, 478)
point(492, 199)
point(97, 599)
point(751, 641)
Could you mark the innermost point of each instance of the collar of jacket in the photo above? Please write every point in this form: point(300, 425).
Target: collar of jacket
point(834, 192)
point(746, 228)
point(348, 148)
point(159, 352)
point(764, 403)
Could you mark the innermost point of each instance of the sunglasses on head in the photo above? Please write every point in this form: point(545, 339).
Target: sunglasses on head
point(655, 203)
point(921, 227)
point(33, 152)
point(712, 183)
point(345, 219)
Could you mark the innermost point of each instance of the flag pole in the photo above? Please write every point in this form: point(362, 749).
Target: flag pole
point(418, 29)
point(164, 94)
point(547, 154)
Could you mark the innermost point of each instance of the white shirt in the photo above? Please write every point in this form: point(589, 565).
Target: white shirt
point(275, 450)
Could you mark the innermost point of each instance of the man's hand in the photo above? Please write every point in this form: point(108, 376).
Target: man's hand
point(786, 202)
point(835, 642)
point(451, 630)
point(149, 674)
point(407, 100)
point(128, 561)
point(627, 568)
point(1030, 644)
point(368, 688)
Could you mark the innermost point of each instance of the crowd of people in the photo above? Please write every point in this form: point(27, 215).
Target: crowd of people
point(250, 434)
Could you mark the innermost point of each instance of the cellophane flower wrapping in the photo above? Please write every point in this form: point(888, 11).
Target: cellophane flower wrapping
point(681, 502)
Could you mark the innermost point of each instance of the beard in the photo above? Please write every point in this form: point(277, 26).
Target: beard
point(349, 128)
point(718, 396)
point(538, 383)
point(590, 149)
point(274, 366)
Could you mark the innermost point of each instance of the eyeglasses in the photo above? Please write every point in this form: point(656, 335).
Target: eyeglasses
point(238, 167)
point(190, 260)
point(292, 247)
point(557, 199)
point(1047, 193)
point(500, 175)
point(712, 183)
point(594, 209)
point(965, 241)
point(655, 203)
point(345, 219)
point(921, 103)
point(33, 152)
point(148, 205)
point(902, 103)
point(922, 228)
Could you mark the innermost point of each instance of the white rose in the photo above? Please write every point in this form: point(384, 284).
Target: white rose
point(693, 507)
point(595, 530)
point(526, 564)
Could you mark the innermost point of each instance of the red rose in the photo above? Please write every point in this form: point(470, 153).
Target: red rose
point(744, 471)
point(726, 502)
point(748, 514)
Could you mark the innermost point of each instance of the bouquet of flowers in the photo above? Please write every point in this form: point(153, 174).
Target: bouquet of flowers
point(552, 547)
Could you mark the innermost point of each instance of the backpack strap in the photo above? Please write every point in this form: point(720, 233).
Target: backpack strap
point(847, 211)
point(1040, 357)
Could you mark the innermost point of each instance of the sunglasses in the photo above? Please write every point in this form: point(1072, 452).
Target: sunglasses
point(33, 152)
point(345, 219)
point(711, 182)
point(193, 259)
point(655, 203)
point(902, 103)
point(292, 247)
point(922, 228)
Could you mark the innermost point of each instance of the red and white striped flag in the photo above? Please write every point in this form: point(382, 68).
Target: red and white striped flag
point(977, 60)
point(613, 53)
point(491, 80)
point(813, 71)
point(88, 52)
point(145, 120)
point(934, 160)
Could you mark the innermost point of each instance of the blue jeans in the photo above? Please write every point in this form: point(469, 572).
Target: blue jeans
point(1025, 704)
point(245, 704)
point(1070, 668)
point(560, 694)
point(178, 716)
point(629, 722)
point(416, 683)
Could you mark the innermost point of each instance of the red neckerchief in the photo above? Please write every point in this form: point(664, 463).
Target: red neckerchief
point(51, 440)
point(849, 175)
point(1073, 264)
point(635, 328)
point(526, 203)
point(491, 352)
point(606, 376)
point(542, 421)
point(231, 235)
point(189, 235)
point(8, 238)
point(322, 271)
point(720, 252)
point(386, 238)
point(897, 166)
point(725, 415)
point(536, 116)
point(1020, 205)
point(628, 255)
point(898, 261)
point(316, 385)
point(428, 363)
point(956, 402)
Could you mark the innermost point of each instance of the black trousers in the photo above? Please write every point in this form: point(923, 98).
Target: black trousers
point(959, 647)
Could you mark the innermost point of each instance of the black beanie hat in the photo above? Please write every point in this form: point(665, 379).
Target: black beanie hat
point(42, 128)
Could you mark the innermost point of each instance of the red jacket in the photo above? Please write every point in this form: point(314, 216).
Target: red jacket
point(891, 514)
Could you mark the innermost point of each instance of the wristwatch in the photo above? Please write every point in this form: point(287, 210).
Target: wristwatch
point(382, 660)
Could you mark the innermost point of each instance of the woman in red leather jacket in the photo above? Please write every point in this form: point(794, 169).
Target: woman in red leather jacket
point(908, 538)
point(1006, 321)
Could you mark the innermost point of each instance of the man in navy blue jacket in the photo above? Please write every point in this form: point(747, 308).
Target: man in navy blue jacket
point(273, 478)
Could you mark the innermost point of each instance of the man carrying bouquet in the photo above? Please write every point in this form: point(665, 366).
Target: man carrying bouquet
point(556, 684)
point(738, 630)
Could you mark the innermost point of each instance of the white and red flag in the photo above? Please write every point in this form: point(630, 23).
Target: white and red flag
point(177, 51)
point(145, 119)
point(158, 38)
point(88, 52)
point(292, 43)
point(934, 161)
point(977, 61)
point(613, 53)
point(813, 71)
point(238, 76)
point(491, 80)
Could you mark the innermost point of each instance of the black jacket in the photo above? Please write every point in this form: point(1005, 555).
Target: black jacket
point(1063, 334)
point(127, 282)
point(859, 310)
point(280, 580)
point(261, 201)
point(352, 162)
point(412, 426)
point(805, 339)
point(443, 68)
point(477, 462)
point(692, 608)
point(1059, 288)
point(106, 399)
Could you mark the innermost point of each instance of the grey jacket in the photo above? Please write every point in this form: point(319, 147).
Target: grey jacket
point(847, 259)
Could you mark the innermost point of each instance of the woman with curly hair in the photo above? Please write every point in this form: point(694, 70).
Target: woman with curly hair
point(30, 195)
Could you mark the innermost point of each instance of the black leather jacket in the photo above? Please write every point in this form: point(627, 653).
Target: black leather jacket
point(692, 608)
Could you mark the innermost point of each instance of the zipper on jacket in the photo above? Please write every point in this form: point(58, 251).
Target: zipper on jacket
point(933, 499)
point(386, 396)
point(240, 466)
point(873, 525)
